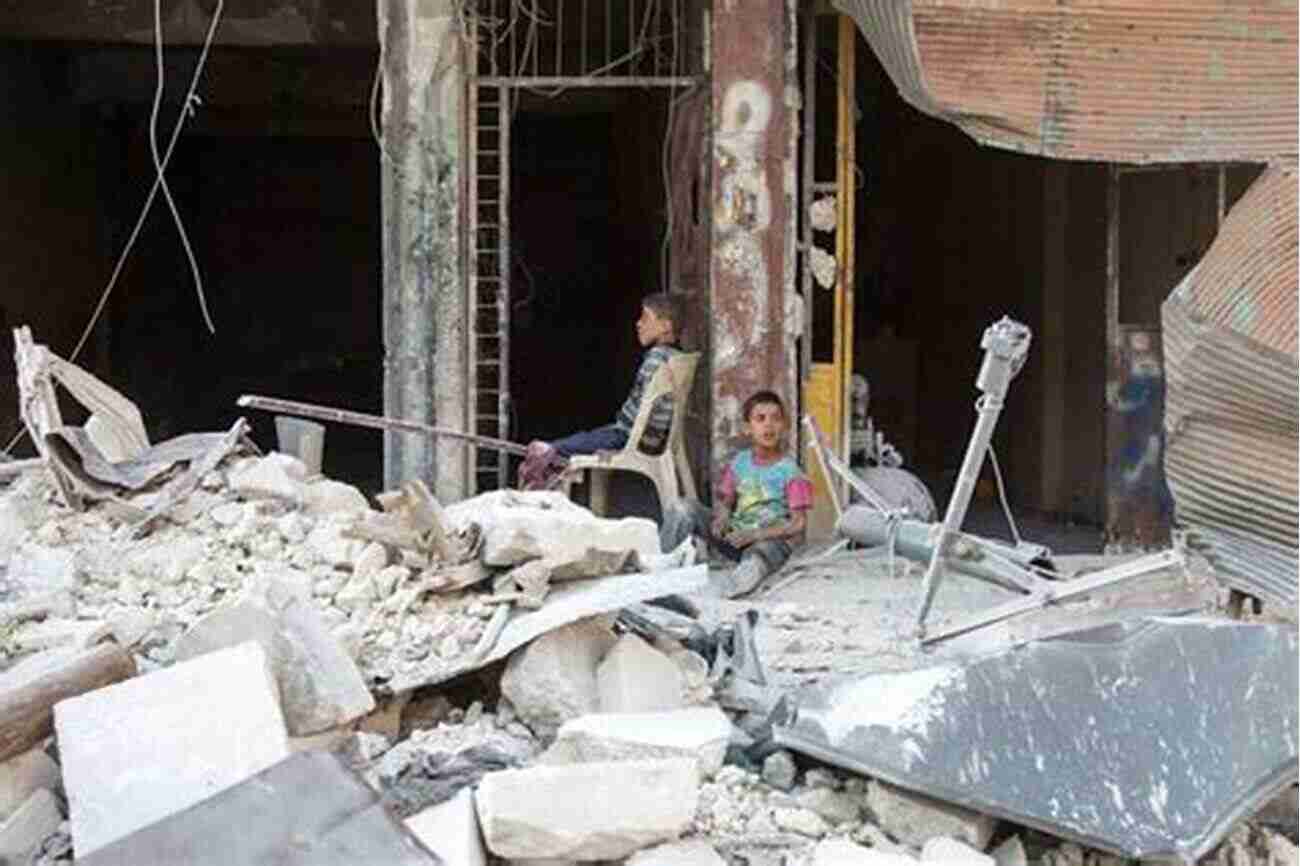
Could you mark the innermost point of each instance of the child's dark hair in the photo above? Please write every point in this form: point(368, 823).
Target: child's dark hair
point(668, 307)
point(762, 398)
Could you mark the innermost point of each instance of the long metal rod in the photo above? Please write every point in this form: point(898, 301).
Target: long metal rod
point(1062, 592)
point(815, 439)
point(525, 81)
point(377, 422)
point(807, 194)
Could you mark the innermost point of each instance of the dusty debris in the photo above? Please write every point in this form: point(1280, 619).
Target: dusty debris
point(22, 775)
point(690, 853)
point(634, 677)
point(553, 678)
point(451, 830)
point(146, 748)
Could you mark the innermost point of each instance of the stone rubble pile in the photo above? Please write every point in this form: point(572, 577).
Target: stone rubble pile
point(271, 613)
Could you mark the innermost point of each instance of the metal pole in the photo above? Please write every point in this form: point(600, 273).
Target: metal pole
point(1005, 344)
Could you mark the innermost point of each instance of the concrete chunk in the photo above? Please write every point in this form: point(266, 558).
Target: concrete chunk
point(1011, 853)
point(522, 525)
point(692, 853)
point(553, 679)
point(941, 849)
point(319, 684)
point(598, 811)
point(915, 819)
point(700, 733)
point(143, 749)
point(29, 826)
point(276, 475)
point(327, 496)
point(634, 677)
point(23, 774)
point(841, 852)
point(450, 830)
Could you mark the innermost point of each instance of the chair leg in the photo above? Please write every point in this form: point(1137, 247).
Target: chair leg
point(598, 485)
point(685, 481)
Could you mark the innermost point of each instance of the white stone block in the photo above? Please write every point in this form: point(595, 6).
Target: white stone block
point(276, 475)
point(553, 678)
point(690, 853)
point(599, 811)
point(450, 830)
point(327, 496)
point(914, 819)
point(700, 733)
point(941, 849)
point(634, 677)
point(143, 749)
point(21, 775)
point(841, 852)
point(29, 826)
point(522, 525)
point(319, 684)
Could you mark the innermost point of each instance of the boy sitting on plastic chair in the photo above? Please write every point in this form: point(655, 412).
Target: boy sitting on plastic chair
point(657, 330)
point(761, 502)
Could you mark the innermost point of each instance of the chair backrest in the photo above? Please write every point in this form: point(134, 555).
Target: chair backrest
point(675, 377)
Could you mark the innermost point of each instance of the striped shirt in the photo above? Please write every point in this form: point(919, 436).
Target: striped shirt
point(661, 414)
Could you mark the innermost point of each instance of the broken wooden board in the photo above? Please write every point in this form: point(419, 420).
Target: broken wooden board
point(566, 603)
point(1147, 737)
point(307, 810)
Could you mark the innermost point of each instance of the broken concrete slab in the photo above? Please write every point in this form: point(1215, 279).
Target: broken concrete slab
point(842, 852)
point(319, 684)
point(699, 733)
point(308, 810)
point(1183, 725)
point(690, 853)
point(553, 679)
point(23, 774)
point(1011, 853)
point(566, 603)
point(521, 525)
point(275, 476)
point(138, 751)
point(941, 849)
point(327, 496)
point(634, 677)
point(599, 811)
point(450, 830)
point(24, 830)
point(914, 819)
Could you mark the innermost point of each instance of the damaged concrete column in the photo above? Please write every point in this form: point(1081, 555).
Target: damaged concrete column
point(423, 309)
point(755, 312)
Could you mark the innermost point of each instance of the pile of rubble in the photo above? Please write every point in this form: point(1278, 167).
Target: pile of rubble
point(278, 633)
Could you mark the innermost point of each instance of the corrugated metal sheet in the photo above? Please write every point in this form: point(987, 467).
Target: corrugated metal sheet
point(1230, 331)
point(1138, 81)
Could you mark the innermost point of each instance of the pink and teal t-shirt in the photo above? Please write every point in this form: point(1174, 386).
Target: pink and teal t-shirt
point(764, 494)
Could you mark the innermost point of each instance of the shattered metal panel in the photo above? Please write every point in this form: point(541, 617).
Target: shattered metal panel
point(1138, 81)
point(1230, 332)
point(307, 810)
point(1149, 738)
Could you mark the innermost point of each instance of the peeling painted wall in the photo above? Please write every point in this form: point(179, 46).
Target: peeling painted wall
point(755, 315)
point(1135, 81)
point(424, 302)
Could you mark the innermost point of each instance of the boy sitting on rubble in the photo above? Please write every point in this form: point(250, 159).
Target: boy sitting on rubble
point(761, 502)
point(657, 330)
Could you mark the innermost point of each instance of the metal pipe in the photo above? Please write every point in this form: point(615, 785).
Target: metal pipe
point(1005, 344)
point(917, 541)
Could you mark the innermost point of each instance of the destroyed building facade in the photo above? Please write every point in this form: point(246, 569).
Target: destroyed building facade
point(439, 210)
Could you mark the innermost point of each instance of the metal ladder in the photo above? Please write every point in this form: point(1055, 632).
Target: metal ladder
point(489, 273)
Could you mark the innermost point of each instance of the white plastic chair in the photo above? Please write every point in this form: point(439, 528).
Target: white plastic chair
point(669, 471)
